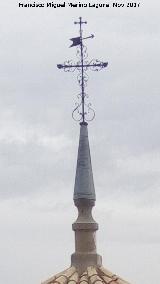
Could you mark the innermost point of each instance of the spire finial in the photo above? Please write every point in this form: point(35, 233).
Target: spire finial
point(84, 193)
point(83, 111)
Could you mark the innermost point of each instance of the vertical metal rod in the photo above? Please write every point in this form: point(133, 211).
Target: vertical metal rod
point(81, 45)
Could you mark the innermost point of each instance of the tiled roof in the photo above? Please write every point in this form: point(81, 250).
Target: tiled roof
point(93, 275)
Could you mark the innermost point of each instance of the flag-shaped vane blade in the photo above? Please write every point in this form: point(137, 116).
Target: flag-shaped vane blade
point(75, 41)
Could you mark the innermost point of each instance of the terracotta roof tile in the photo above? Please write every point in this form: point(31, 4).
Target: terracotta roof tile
point(93, 275)
point(51, 279)
point(63, 279)
point(74, 278)
point(105, 271)
point(83, 278)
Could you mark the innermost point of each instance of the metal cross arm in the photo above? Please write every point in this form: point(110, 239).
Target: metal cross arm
point(101, 64)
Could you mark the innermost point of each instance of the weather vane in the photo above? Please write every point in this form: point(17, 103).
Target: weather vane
point(83, 111)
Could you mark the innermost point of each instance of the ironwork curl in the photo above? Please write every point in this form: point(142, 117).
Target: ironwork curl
point(82, 79)
point(86, 95)
point(85, 54)
point(90, 111)
point(77, 111)
point(69, 66)
point(78, 52)
point(96, 65)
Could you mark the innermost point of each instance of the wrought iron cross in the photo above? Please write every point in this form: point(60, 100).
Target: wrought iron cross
point(83, 109)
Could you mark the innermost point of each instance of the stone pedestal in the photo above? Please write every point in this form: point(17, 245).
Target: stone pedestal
point(83, 260)
point(85, 237)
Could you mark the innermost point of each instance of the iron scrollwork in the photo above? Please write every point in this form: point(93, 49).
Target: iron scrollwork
point(83, 111)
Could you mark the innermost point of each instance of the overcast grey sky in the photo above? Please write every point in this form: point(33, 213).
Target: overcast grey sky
point(39, 140)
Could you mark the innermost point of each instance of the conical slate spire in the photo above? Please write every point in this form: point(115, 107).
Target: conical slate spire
point(84, 184)
point(85, 226)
